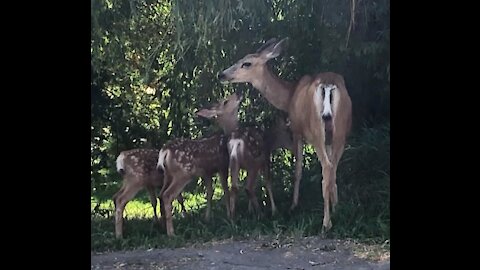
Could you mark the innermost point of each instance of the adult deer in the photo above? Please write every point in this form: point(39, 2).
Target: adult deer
point(319, 109)
point(183, 159)
point(249, 149)
point(138, 170)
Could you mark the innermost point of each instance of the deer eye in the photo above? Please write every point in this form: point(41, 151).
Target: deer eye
point(225, 102)
point(246, 64)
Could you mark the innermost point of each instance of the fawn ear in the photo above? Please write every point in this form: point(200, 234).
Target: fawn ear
point(207, 113)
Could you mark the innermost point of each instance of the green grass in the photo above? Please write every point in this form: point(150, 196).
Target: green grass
point(140, 232)
point(363, 212)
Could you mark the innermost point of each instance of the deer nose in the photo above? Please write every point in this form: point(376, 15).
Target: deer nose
point(221, 76)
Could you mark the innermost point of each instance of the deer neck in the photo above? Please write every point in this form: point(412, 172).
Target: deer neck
point(228, 123)
point(277, 91)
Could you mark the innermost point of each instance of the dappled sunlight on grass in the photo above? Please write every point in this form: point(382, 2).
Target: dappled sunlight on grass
point(141, 208)
point(135, 208)
point(138, 209)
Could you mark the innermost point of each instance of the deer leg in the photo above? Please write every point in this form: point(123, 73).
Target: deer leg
point(251, 185)
point(333, 188)
point(268, 184)
point(166, 182)
point(338, 149)
point(173, 190)
point(327, 185)
point(167, 179)
point(182, 204)
point(326, 191)
point(121, 201)
point(298, 152)
point(234, 171)
point(208, 186)
point(153, 201)
point(224, 182)
point(115, 196)
point(161, 220)
point(180, 200)
point(167, 206)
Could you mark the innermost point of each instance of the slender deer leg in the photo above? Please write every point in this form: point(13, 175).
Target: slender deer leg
point(298, 152)
point(153, 201)
point(182, 204)
point(251, 185)
point(115, 196)
point(333, 187)
point(234, 170)
point(224, 182)
point(173, 190)
point(268, 184)
point(326, 191)
point(209, 189)
point(121, 201)
point(166, 182)
point(327, 188)
point(338, 149)
point(167, 202)
point(161, 220)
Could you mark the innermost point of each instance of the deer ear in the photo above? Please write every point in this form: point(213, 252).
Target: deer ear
point(267, 44)
point(206, 113)
point(273, 51)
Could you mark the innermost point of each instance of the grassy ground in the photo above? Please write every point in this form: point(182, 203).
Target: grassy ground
point(141, 232)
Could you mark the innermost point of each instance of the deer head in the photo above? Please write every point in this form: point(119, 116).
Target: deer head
point(253, 69)
point(244, 69)
point(225, 112)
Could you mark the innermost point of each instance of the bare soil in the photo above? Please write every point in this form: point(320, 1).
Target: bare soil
point(296, 254)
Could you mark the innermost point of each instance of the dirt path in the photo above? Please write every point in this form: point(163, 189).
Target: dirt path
point(307, 253)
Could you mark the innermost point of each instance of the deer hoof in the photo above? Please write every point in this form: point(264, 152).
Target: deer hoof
point(324, 232)
point(326, 228)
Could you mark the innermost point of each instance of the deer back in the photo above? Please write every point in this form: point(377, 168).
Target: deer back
point(307, 108)
point(198, 157)
point(140, 164)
